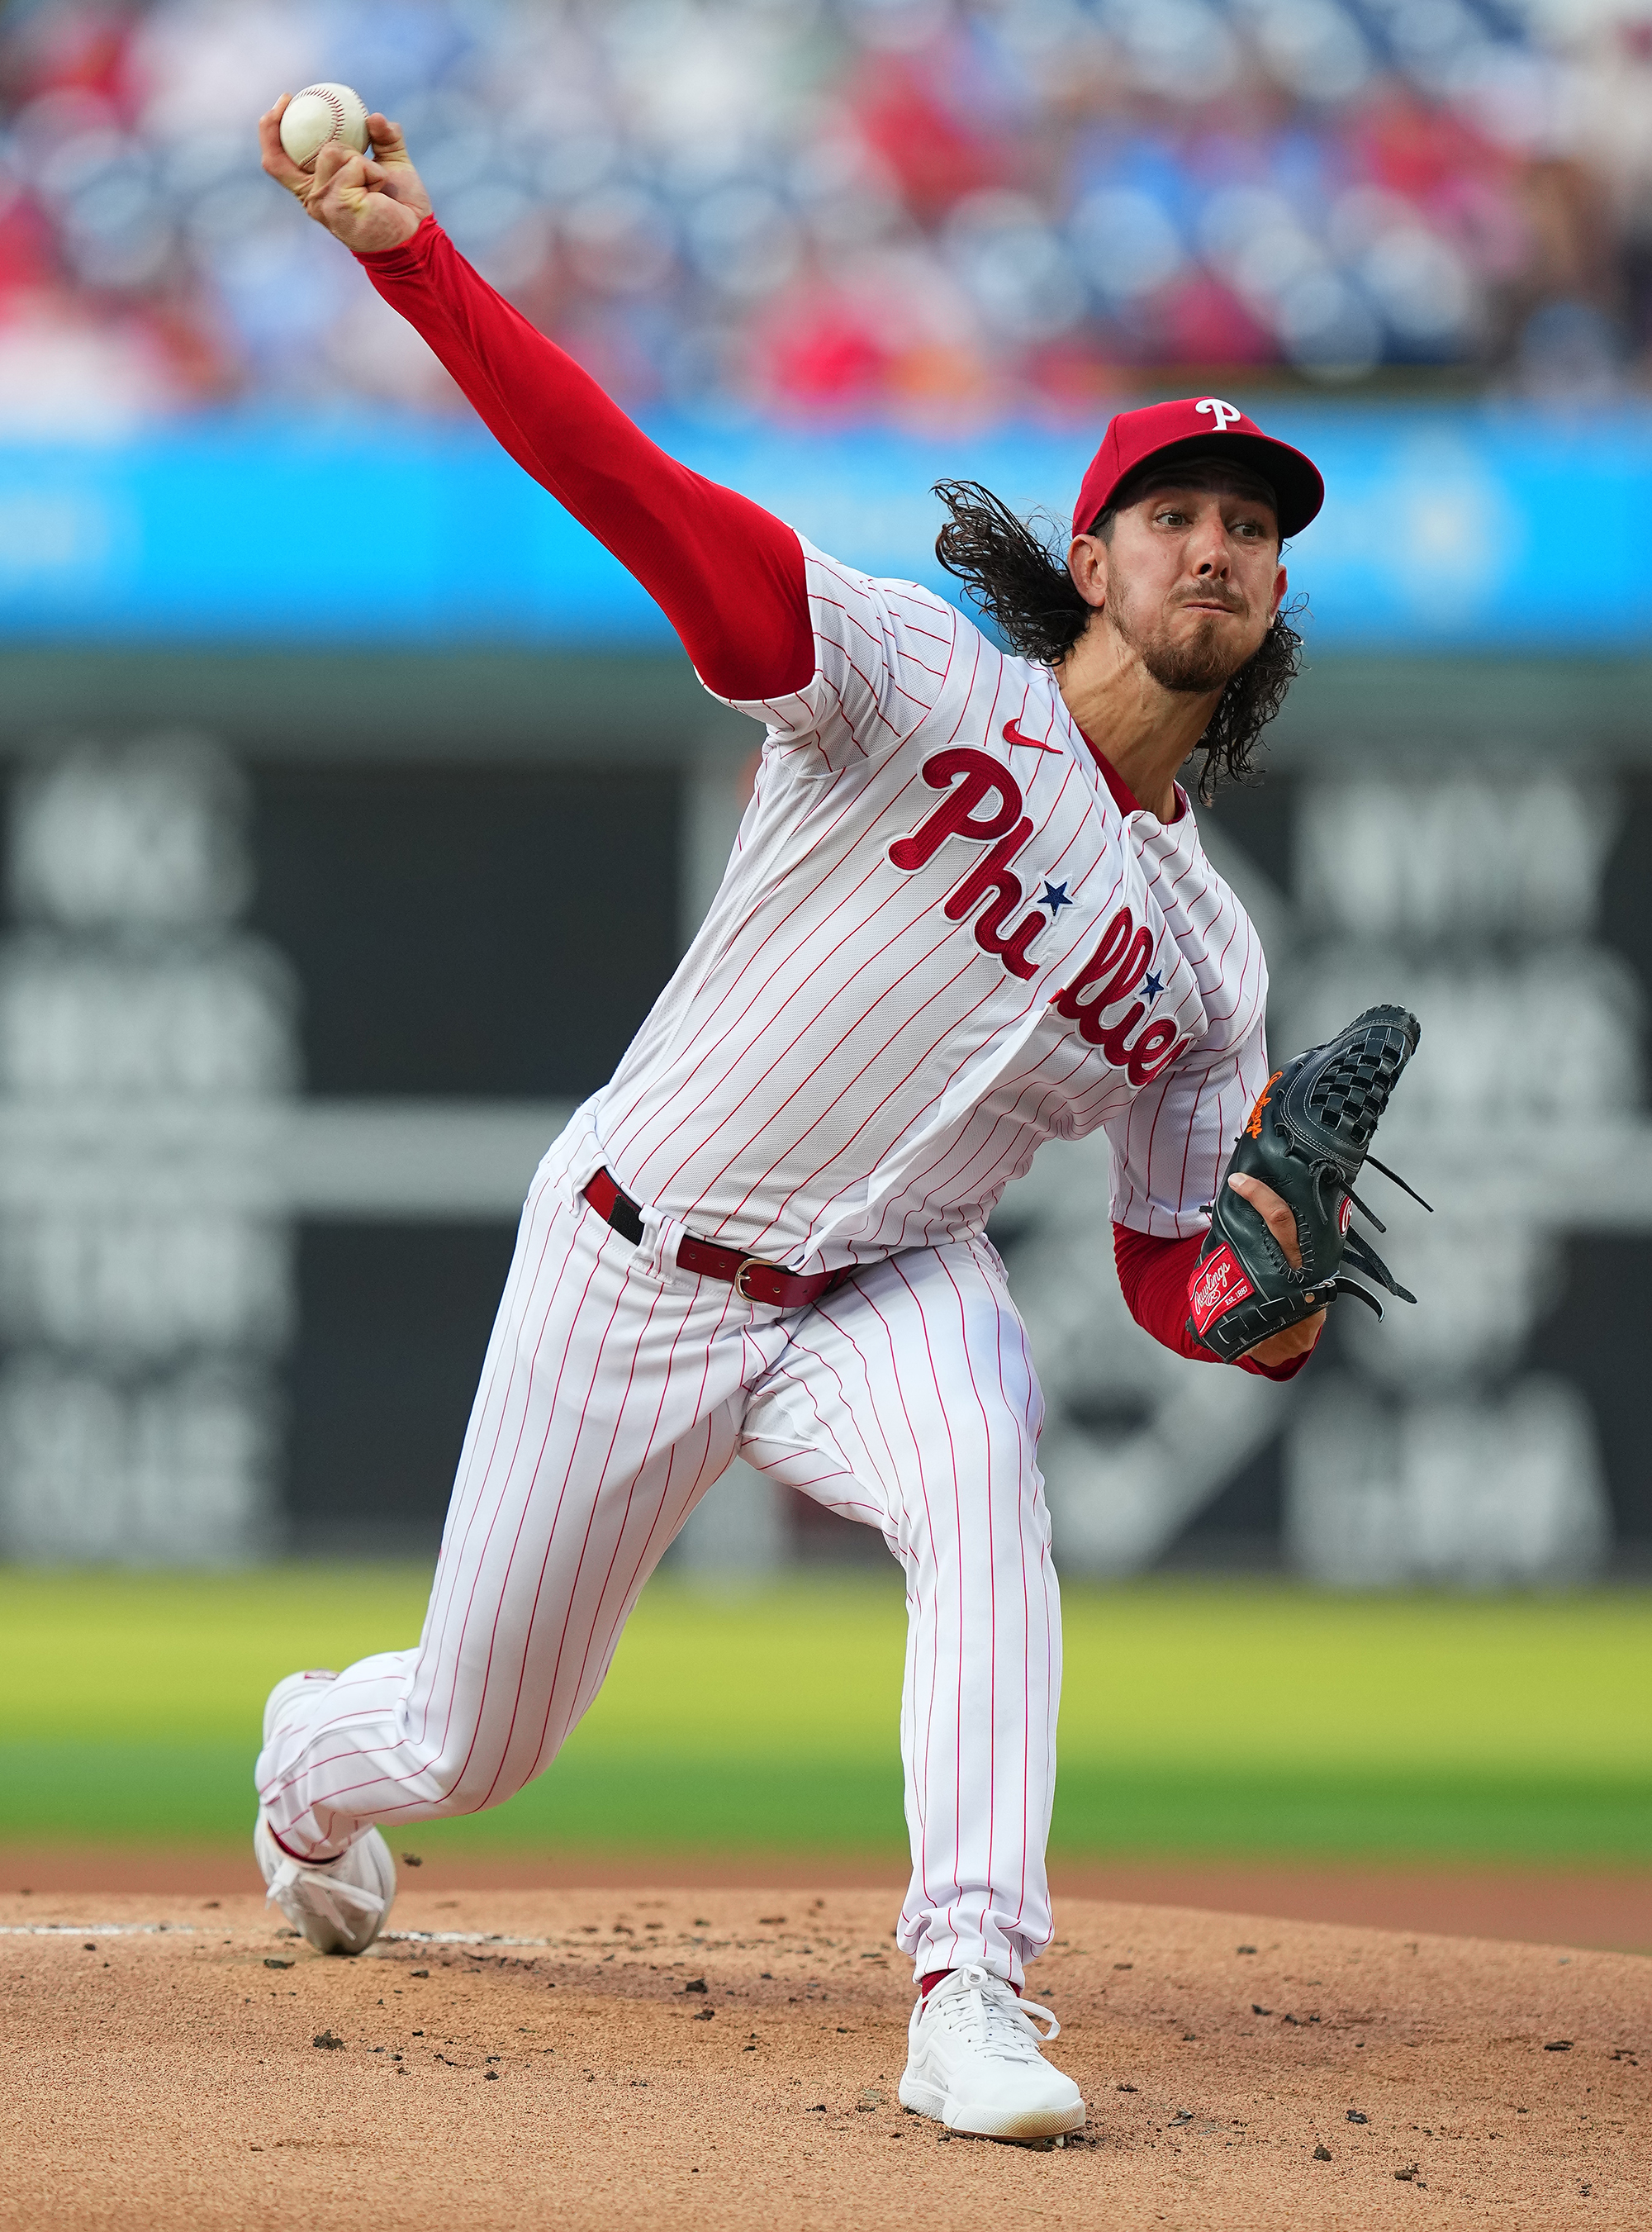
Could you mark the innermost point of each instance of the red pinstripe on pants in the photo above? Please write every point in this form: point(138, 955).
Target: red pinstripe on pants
point(611, 1397)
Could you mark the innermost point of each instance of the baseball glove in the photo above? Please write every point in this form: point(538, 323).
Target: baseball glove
point(1309, 1137)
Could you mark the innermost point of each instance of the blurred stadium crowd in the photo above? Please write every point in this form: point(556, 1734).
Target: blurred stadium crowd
point(833, 209)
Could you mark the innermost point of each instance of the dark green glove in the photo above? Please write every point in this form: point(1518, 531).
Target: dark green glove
point(1309, 1137)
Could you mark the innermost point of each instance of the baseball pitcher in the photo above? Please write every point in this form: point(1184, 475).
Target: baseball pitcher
point(968, 911)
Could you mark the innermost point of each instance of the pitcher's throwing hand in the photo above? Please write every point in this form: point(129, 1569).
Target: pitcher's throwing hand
point(370, 202)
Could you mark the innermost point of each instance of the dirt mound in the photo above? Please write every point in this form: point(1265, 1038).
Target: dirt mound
point(1606, 1907)
point(730, 2059)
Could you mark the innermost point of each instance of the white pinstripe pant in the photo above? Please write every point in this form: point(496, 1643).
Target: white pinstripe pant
point(613, 1394)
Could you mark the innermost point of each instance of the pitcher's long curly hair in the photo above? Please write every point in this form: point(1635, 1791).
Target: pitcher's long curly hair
point(1015, 571)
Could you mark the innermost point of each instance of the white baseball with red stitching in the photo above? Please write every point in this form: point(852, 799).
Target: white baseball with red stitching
point(321, 113)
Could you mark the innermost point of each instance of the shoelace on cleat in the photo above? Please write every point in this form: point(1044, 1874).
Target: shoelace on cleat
point(322, 1892)
point(981, 2007)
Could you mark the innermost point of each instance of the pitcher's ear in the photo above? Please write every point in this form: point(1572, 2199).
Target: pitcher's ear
point(1087, 562)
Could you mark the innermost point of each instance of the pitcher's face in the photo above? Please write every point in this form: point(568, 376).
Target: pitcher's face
point(1192, 580)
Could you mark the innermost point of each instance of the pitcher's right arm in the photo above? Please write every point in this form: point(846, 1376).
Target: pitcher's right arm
point(728, 575)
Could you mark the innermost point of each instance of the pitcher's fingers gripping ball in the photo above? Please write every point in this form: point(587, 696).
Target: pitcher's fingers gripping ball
point(319, 115)
point(1308, 1137)
point(369, 196)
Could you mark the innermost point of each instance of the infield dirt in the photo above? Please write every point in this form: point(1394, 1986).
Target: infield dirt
point(724, 2058)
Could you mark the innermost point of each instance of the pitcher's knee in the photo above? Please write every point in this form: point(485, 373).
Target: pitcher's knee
point(470, 1776)
point(997, 1500)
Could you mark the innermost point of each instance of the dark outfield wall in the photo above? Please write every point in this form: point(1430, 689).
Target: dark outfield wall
point(450, 886)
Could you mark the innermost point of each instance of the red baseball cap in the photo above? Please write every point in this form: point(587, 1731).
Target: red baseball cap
point(1201, 426)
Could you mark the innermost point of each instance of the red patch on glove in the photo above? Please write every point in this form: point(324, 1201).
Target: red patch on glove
point(1215, 1285)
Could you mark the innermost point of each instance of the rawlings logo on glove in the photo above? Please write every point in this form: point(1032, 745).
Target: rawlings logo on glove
point(1217, 1284)
point(1309, 1137)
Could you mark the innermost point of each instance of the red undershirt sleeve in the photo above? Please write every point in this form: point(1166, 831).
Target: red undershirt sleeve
point(728, 575)
point(1153, 1277)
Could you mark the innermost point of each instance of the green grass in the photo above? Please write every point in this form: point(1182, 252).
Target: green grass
point(1197, 1718)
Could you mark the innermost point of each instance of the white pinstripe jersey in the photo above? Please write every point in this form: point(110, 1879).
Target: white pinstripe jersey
point(938, 943)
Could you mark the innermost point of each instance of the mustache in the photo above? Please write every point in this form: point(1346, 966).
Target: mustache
point(1212, 592)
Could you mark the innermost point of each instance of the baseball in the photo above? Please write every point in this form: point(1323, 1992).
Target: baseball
point(320, 114)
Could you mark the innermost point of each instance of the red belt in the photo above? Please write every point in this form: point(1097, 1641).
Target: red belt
point(751, 1277)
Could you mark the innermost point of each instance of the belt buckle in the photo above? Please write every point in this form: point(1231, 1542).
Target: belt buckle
point(748, 1263)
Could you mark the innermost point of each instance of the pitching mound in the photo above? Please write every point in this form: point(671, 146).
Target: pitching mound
point(730, 2059)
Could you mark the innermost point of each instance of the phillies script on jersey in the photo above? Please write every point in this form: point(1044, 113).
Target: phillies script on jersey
point(941, 941)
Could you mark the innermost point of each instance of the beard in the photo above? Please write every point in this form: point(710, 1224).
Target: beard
point(1193, 665)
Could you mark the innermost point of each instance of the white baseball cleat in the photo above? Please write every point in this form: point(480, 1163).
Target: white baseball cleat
point(339, 1905)
point(973, 2062)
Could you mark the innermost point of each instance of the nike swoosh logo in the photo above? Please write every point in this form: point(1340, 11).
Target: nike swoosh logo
point(1013, 736)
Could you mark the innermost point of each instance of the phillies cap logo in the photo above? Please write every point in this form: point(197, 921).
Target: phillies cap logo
point(1183, 428)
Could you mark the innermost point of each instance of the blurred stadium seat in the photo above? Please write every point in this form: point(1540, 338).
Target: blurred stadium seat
point(831, 208)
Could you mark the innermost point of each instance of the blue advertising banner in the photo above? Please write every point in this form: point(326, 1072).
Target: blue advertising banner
point(1444, 530)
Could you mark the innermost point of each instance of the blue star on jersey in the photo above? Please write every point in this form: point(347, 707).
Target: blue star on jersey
point(1055, 898)
point(1152, 986)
